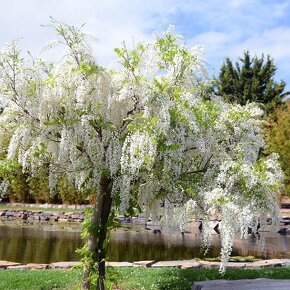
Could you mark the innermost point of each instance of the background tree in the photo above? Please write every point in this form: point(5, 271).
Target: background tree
point(278, 139)
point(27, 186)
point(250, 80)
point(136, 135)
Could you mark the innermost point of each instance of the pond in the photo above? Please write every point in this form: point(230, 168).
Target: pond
point(48, 243)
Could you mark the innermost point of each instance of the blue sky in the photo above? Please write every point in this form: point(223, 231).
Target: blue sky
point(225, 28)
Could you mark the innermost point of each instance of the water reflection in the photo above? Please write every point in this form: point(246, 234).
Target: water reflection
point(144, 245)
point(35, 245)
point(47, 244)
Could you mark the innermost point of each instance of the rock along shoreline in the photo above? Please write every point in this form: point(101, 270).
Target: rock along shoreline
point(38, 215)
point(182, 264)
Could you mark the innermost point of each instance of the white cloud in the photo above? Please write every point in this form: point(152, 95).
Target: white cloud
point(281, 9)
point(276, 43)
point(226, 28)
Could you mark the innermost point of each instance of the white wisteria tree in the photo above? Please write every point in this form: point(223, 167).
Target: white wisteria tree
point(133, 136)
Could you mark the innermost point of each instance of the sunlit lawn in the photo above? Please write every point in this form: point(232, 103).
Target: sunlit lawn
point(130, 278)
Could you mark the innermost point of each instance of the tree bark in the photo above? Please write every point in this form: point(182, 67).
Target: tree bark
point(96, 240)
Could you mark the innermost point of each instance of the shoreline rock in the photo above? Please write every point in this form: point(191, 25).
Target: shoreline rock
point(31, 215)
point(183, 264)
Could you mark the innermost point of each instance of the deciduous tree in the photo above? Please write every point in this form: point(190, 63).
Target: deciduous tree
point(278, 139)
point(136, 135)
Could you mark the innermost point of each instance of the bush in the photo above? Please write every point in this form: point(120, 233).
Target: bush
point(67, 193)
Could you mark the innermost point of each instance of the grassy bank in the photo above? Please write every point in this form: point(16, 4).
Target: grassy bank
point(37, 208)
point(39, 279)
point(130, 278)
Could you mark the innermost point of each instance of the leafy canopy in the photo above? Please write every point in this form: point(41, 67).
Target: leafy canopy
point(278, 139)
point(149, 129)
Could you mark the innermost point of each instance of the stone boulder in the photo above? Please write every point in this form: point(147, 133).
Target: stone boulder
point(119, 264)
point(145, 264)
point(5, 264)
point(33, 266)
point(64, 265)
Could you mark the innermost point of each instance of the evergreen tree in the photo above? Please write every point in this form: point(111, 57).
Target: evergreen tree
point(250, 80)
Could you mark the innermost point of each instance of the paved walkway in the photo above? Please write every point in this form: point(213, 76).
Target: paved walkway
point(246, 284)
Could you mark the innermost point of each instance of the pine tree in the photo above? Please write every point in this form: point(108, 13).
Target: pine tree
point(250, 80)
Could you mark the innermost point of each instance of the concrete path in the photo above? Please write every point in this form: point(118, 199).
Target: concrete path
point(245, 284)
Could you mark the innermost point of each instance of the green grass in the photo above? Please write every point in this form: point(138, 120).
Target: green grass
point(35, 208)
point(161, 279)
point(39, 279)
point(130, 278)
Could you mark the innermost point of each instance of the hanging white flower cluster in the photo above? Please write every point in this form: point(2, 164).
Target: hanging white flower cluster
point(150, 127)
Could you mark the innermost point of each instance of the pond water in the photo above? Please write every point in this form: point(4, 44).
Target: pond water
point(48, 243)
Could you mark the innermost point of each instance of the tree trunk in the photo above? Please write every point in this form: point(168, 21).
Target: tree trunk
point(96, 240)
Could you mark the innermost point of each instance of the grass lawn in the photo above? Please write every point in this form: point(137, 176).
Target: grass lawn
point(36, 208)
point(130, 278)
point(39, 279)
